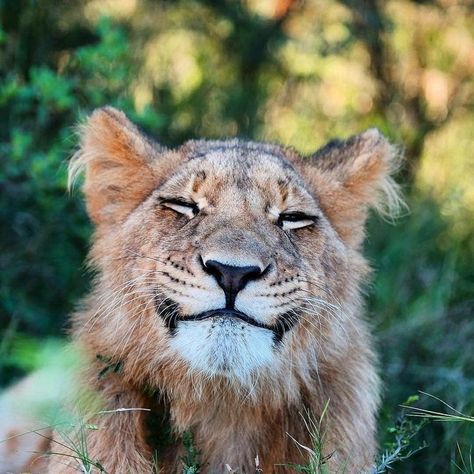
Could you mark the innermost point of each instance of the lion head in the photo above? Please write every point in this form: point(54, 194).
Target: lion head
point(226, 262)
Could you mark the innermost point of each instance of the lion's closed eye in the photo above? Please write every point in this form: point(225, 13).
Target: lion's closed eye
point(189, 209)
point(295, 220)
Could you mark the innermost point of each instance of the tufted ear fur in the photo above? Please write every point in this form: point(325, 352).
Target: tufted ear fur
point(118, 163)
point(351, 176)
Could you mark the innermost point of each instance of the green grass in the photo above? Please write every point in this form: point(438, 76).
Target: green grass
point(403, 442)
point(317, 461)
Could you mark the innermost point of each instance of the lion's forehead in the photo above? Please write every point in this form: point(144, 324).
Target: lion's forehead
point(246, 159)
point(230, 169)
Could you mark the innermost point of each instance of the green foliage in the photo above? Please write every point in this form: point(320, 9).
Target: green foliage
point(422, 315)
point(45, 233)
point(400, 444)
point(191, 458)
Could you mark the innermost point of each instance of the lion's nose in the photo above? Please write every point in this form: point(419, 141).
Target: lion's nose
point(231, 279)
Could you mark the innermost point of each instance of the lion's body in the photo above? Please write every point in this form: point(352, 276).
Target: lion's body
point(241, 368)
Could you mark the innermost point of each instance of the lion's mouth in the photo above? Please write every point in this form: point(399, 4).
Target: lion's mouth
point(168, 311)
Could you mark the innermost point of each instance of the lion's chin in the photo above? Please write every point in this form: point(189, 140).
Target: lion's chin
point(224, 346)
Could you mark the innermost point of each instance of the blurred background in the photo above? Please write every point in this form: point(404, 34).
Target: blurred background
point(289, 71)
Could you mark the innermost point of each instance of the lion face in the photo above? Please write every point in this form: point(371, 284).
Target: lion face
point(236, 259)
point(231, 276)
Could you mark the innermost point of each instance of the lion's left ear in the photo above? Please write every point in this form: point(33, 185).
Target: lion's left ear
point(350, 177)
point(119, 163)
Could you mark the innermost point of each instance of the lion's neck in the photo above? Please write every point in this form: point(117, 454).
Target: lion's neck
point(234, 431)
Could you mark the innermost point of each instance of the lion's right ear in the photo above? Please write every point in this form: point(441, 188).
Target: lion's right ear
point(351, 176)
point(117, 160)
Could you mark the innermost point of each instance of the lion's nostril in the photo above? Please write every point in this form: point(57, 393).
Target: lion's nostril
point(230, 278)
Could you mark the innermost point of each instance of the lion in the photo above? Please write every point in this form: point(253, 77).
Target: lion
point(227, 301)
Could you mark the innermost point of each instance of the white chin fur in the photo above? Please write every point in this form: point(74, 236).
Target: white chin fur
point(224, 346)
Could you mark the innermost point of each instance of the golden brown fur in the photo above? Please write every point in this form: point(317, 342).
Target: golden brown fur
point(247, 396)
